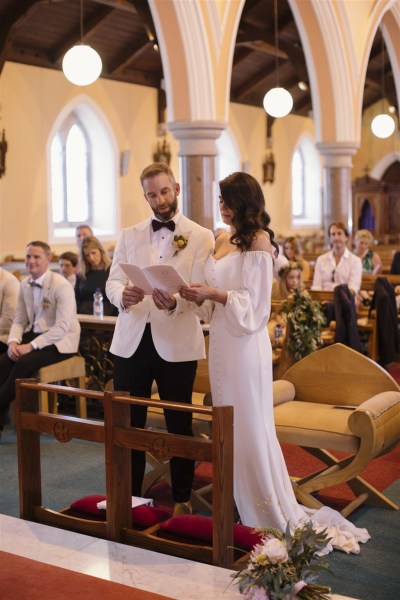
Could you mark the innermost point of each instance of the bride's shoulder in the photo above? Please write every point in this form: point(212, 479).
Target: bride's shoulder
point(261, 242)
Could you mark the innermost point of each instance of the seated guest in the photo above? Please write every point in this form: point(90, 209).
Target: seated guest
point(340, 270)
point(395, 266)
point(81, 232)
point(280, 261)
point(93, 273)
point(293, 252)
point(371, 261)
point(68, 263)
point(45, 329)
point(290, 279)
point(338, 265)
point(9, 288)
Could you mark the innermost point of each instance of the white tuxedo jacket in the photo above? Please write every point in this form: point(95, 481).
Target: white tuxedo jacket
point(57, 314)
point(178, 335)
point(9, 287)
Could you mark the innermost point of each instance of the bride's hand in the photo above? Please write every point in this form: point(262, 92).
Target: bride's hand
point(195, 292)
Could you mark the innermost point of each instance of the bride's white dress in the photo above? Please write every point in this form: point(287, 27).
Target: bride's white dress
point(240, 362)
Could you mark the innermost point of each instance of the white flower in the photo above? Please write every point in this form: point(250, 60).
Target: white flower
point(274, 550)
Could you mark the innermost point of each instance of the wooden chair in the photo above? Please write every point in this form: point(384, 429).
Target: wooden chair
point(338, 399)
point(71, 369)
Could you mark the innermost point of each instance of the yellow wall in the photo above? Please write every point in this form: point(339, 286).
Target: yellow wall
point(32, 98)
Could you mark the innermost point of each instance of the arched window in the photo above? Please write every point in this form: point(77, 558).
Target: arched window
point(83, 176)
point(71, 175)
point(306, 185)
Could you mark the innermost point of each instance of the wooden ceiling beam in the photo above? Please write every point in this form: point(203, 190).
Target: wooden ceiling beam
point(128, 56)
point(90, 27)
point(11, 20)
point(126, 5)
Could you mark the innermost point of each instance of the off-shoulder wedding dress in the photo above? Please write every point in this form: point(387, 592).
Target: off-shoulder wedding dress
point(240, 362)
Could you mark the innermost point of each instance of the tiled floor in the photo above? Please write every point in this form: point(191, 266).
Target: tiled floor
point(175, 577)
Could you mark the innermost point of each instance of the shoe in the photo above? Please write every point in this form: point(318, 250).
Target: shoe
point(182, 508)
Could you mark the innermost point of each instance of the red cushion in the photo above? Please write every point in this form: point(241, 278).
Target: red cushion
point(195, 529)
point(142, 516)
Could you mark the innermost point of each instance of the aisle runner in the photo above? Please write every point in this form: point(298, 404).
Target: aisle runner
point(33, 580)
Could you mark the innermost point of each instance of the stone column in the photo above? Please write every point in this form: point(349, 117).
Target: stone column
point(337, 194)
point(198, 151)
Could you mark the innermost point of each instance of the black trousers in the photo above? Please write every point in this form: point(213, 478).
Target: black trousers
point(175, 383)
point(23, 368)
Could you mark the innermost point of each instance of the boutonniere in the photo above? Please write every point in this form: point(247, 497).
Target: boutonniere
point(46, 303)
point(179, 243)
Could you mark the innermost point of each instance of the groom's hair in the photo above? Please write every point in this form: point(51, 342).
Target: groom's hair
point(157, 169)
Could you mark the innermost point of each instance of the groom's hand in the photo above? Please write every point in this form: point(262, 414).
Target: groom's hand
point(163, 300)
point(131, 295)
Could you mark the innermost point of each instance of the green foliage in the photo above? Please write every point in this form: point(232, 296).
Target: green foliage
point(285, 565)
point(305, 319)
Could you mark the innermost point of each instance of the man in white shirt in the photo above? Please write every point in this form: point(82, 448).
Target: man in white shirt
point(340, 270)
point(45, 329)
point(339, 265)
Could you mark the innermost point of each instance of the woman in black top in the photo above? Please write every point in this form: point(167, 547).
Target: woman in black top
point(93, 273)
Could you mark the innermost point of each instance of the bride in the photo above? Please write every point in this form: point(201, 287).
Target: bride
point(236, 302)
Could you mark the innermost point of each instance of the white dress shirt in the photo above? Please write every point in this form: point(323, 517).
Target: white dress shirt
point(328, 274)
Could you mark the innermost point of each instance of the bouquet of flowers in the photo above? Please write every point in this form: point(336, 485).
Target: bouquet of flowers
point(284, 566)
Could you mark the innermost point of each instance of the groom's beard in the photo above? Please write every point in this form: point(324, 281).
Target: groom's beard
point(166, 216)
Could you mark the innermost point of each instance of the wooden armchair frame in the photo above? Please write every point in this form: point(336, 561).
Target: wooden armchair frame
point(338, 399)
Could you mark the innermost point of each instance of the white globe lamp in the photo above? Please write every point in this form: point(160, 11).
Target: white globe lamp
point(383, 126)
point(82, 65)
point(278, 102)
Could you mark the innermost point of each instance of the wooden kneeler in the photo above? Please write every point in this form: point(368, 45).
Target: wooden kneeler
point(121, 438)
point(30, 423)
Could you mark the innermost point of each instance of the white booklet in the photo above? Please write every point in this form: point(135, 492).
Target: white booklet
point(163, 277)
point(136, 501)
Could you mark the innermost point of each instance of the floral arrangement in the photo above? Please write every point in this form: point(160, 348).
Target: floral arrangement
point(305, 319)
point(179, 243)
point(284, 566)
point(46, 303)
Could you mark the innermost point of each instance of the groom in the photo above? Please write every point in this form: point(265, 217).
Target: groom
point(158, 337)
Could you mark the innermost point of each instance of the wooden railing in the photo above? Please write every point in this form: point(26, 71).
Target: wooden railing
point(119, 439)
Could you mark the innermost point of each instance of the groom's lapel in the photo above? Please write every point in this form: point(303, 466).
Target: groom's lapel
point(142, 243)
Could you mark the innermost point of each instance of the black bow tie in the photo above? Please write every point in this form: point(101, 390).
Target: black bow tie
point(34, 284)
point(158, 224)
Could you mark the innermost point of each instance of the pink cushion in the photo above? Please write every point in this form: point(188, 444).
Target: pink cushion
point(142, 516)
point(195, 529)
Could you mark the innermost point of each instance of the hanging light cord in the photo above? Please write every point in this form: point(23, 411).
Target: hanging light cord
point(81, 22)
point(383, 70)
point(276, 42)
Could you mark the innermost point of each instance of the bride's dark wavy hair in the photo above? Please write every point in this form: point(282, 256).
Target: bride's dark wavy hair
point(242, 194)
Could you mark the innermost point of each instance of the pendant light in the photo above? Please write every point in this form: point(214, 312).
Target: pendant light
point(278, 102)
point(383, 125)
point(81, 64)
